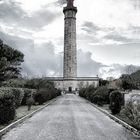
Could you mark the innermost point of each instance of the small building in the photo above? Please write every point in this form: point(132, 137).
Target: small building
point(73, 84)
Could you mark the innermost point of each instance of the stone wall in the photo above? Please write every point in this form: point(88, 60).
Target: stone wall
point(75, 84)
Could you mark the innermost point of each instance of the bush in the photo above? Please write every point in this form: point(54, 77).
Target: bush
point(87, 92)
point(46, 94)
point(16, 83)
point(82, 92)
point(101, 96)
point(18, 95)
point(29, 101)
point(39, 83)
point(132, 111)
point(98, 96)
point(98, 99)
point(116, 100)
point(42, 96)
point(7, 106)
point(58, 92)
point(27, 94)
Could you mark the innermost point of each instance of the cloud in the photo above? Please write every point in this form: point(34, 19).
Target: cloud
point(12, 14)
point(116, 70)
point(105, 34)
point(118, 38)
point(90, 27)
point(61, 2)
point(17, 42)
point(86, 65)
point(43, 61)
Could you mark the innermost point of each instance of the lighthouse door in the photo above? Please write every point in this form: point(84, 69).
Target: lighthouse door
point(70, 89)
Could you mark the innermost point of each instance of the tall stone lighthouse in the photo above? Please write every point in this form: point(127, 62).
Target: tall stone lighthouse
point(70, 49)
point(70, 83)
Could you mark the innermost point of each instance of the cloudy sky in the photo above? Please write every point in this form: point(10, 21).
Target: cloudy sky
point(108, 35)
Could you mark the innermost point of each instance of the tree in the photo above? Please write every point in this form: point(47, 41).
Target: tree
point(39, 83)
point(103, 82)
point(10, 61)
point(128, 82)
point(131, 69)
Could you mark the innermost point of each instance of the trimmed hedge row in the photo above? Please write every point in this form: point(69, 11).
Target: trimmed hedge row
point(102, 95)
point(7, 106)
point(12, 98)
point(45, 94)
point(98, 96)
point(27, 94)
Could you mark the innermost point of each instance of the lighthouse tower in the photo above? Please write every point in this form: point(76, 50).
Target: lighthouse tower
point(70, 50)
point(70, 83)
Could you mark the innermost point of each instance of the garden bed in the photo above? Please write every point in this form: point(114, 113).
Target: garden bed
point(120, 116)
point(21, 112)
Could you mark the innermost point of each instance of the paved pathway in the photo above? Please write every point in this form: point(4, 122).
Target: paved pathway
point(69, 118)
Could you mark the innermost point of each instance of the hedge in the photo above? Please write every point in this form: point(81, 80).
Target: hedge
point(98, 96)
point(27, 94)
point(18, 95)
point(116, 100)
point(45, 94)
point(7, 106)
point(11, 98)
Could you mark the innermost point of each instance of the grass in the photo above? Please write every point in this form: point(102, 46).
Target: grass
point(21, 112)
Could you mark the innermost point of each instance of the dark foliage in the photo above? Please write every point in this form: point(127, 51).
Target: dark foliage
point(116, 100)
point(46, 94)
point(101, 95)
point(7, 107)
point(18, 95)
point(103, 82)
point(10, 61)
point(87, 92)
point(130, 82)
point(27, 94)
point(98, 96)
point(38, 83)
point(30, 101)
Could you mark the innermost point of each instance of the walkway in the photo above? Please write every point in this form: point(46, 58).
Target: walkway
point(69, 118)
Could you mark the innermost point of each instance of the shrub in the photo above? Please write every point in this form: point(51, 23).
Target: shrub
point(82, 92)
point(42, 96)
point(100, 95)
point(116, 100)
point(7, 106)
point(46, 94)
point(58, 92)
point(16, 83)
point(132, 111)
point(29, 102)
point(38, 83)
point(87, 92)
point(18, 95)
point(98, 99)
point(27, 94)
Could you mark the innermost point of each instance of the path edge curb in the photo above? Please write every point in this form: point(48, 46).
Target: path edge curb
point(19, 121)
point(124, 124)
